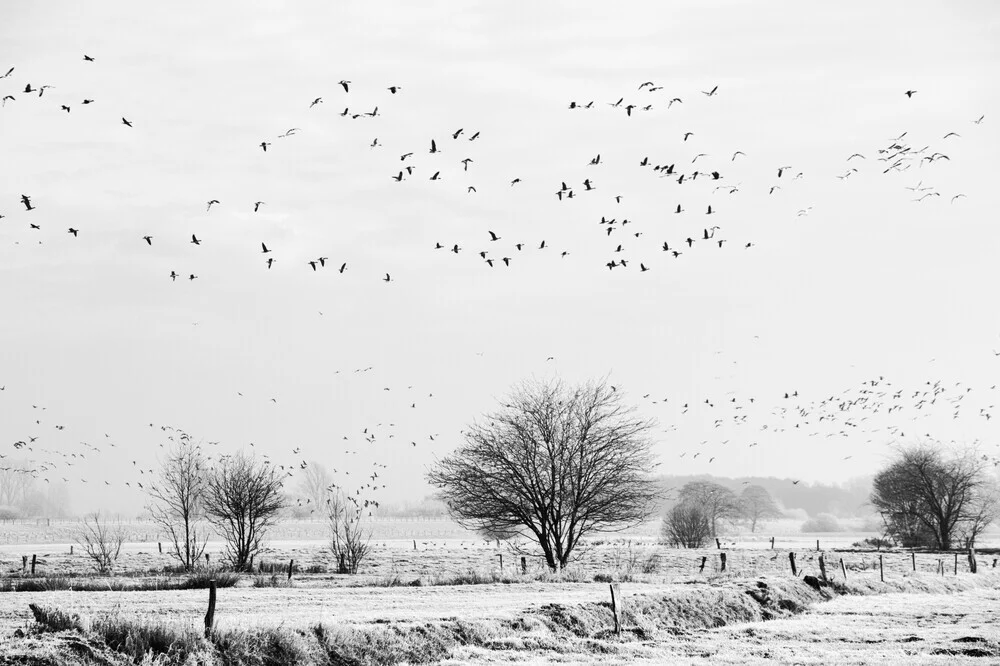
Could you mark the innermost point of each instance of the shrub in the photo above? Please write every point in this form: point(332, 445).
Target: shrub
point(823, 522)
point(686, 525)
point(878, 543)
point(101, 541)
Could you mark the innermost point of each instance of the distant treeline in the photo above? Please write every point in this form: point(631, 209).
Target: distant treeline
point(846, 500)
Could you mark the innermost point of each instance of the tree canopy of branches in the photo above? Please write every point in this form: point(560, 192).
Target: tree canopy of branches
point(718, 502)
point(756, 505)
point(552, 465)
point(349, 535)
point(315, 484)
point(176, 500)
point(928, 498)
point(686, 525)
point(243, 498)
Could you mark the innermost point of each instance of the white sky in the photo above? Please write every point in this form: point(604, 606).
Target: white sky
point(867, 284)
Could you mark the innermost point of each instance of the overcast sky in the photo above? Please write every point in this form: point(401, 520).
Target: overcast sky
point(846, 279)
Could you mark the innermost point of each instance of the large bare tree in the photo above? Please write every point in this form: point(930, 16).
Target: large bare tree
point(243, 499)
point(928, 498)
point(553, 464)
point(315, 485)
point(756, 505)
point(177, 499)
point(719, 503)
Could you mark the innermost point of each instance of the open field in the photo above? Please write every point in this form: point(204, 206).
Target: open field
point(935, 621)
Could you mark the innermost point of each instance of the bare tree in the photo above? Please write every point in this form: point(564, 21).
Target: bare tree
point(243, 499)
point(551, 466)
point(315, 484)
point(349, 535)
point(718, 502)
point(929, 499)
point(176, 500)
point(756, 505)
point(101, 541)
point(686, 525)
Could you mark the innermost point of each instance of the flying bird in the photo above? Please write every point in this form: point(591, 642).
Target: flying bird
point(211, 203)
point(26, 200)
point(910, 93)
point(710, 92)
point(126, 122)
point(265, 250)
point(148, 239)
point(318, 100)
point(257, 205)
point(345, 85)
point(194, 240)
point(264, 145)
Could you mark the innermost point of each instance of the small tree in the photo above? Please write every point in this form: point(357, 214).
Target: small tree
point(101, 541)
point(718, 502)
point(243, 499)
point(551, 466)
point(176, 501)
point(349, 535)
point(756, 505)
point(686, 525)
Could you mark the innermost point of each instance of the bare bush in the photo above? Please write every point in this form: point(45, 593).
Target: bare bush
point(243, 499)
point(686, 525)
point(177, 500)
point(551, 466)
point(349, 535)
point(101, 541)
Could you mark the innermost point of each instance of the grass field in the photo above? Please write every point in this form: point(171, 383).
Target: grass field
point(426, 581)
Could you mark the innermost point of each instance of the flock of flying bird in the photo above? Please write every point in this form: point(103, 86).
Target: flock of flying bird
point(699, 188)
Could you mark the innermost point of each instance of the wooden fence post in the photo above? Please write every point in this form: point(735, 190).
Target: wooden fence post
point(210, 615)
point(722, 560)
point(701, 569)
point(791, 559)
point(616, 606)
point(822, 567)
point(206, 559)
point(159, 544)
point(972, 560)
point(290, 563)
point(817, 545)
point(772, 543)
point(71, 549)
point(500, 555)
point(843, 569)
point(414, 544)
point(24, 564)
point(34, 560)
point(718, 544)
point(913, 558)
point(881, 569)
point(956, 564)
point(343, 563)
point(524, 564)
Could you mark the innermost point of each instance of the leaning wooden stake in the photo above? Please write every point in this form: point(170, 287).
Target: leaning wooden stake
point(616, 606)
point(791, 559)
point(718, 544)
point(290, 563)
point(702, 567)
point(822, 567)
point(210, 615)
point(843, 569)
